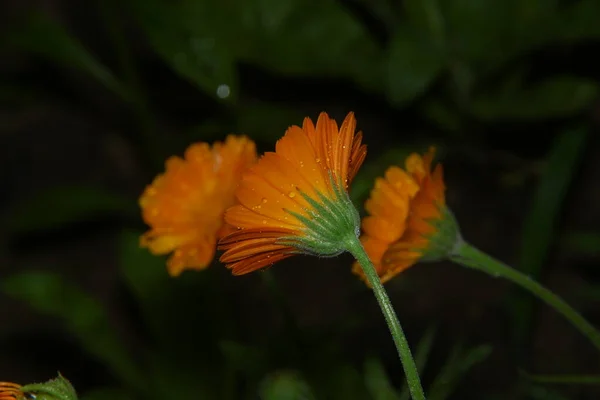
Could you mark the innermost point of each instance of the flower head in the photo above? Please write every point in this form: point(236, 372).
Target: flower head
point(295, 200)
point(11, 391)
point(408, 219)
point(58, 388)
point(184, 206)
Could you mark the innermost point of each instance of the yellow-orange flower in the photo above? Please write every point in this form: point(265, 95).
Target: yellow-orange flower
point(408, 220)
point(11, 391)
point(184, 206)
point(295, 200)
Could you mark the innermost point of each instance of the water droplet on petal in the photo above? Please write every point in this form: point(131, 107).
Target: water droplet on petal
point(264, 221)
point(264, 200)
point(292, 194)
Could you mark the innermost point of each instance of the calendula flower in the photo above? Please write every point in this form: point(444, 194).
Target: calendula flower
point(408, 219)
point(184, 206)
point(58, 388)
point(295, 200)
point(11, 391)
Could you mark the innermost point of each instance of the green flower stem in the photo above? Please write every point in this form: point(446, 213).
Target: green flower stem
point(469, 256)
point(408, 363)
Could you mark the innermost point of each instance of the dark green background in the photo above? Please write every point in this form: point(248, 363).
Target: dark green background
point(94, 95)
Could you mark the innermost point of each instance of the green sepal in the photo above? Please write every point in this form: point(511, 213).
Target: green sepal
point(446, 238)
point(58, 388)
point(331, 221)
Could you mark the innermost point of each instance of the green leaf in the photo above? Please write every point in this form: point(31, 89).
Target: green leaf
point(165, 301)
point(313, 38)
point(242, 357)
point(377, 381)
point(563, 379)
point(557, 97)
point(82, 315)
point(540, 224)
point(579, 21)
point(285, 385)
point(458, 364)
point(582, 243)
point(426, 16)
point(444, 115)
point(547, 202)
point(421, 357)
point(344, 382)
point(43, 36)
point(536, 392)
point(62, 206)
point(412, 66)
point(196, 39)
point(479, 33)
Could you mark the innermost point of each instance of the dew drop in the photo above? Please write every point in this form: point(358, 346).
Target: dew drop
point(318, 160)
point(264, 221)
point(264, 200)
point(223, 91)
point(292, 195)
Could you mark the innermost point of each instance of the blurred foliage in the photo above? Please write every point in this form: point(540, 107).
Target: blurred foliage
point(69, 205)
point(457, 66)
point(540, 225)
point(196, 362)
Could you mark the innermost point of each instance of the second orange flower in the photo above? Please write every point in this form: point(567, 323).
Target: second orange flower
point(408, 219)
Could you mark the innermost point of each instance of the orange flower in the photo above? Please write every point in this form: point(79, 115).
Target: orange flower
point(11, 391)
point(295, 200)
point(184, 206)
point(408, 220)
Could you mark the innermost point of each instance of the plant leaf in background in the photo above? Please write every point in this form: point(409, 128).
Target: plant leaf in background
point(556, 97)
point(41, 35)
point(578, 21)
point(83, 317)
point(474, 28)
point(563, 379)
point(193, 40)
point(61, 206)
point(426, 17)
point(540, 224)
point(175, 314)
point(203, 41)
point(413, 64)
point(458, 364)
point(377, 381)
point(537, 392)
point(285, 385)
point(582, 243)
point(313, 38)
